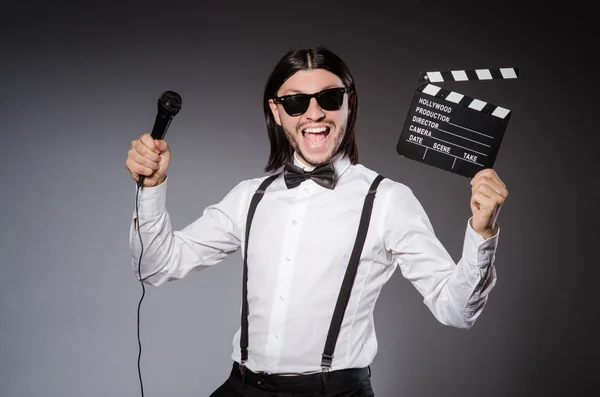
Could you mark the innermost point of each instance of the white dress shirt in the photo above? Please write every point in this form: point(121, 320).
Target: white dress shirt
point(299, 246)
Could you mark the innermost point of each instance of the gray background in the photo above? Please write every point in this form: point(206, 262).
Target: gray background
point(79, 82)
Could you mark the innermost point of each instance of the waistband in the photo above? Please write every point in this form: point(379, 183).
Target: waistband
point(292, 383)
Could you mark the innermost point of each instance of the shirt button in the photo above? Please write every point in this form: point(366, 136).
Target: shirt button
point(287, 259)
point(294, 222)
point(281, 297)
point(305, 190)
point(275, 335)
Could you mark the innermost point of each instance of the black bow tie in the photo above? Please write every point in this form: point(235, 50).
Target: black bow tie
point(323, 174)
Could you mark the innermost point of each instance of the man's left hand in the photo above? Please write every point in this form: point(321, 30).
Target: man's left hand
point(488, 193)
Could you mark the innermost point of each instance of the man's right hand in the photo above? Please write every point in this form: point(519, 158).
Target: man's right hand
point(148, 157)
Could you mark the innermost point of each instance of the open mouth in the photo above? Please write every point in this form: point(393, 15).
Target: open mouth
point(315, 135)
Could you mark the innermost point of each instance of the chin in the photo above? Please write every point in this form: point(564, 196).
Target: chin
point(316, 159)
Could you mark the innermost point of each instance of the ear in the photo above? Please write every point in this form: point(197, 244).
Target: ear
point(275, 111)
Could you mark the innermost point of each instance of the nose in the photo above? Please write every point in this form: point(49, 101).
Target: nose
point(314, 111)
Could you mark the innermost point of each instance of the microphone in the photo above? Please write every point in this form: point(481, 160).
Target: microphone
point(169, 104)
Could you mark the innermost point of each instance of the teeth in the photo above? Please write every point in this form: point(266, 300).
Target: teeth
point(315, 130)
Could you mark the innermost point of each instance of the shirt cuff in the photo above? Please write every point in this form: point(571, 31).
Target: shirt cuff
point(478, 251)
point(152, 200)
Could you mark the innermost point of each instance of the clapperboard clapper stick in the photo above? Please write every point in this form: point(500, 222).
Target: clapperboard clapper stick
point(452, 131)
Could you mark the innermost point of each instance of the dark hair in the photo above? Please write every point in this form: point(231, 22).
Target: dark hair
point(306, 59)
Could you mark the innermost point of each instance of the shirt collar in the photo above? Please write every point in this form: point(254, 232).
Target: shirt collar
point(340, 164)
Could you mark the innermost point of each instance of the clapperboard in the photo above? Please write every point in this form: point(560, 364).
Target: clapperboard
point(452, 131)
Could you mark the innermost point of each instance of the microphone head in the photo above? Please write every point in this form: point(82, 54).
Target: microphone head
point(169, 103)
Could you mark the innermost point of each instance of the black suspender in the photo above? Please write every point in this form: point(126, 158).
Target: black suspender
point(344, 295)
point(258, 195)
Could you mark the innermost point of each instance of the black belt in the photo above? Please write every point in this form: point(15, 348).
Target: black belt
point(293, 383)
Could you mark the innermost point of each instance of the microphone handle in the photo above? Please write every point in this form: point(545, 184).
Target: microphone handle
point(161, 124)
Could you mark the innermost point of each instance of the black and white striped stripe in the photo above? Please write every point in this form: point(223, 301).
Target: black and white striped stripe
point(470, 74)
point(465, 100)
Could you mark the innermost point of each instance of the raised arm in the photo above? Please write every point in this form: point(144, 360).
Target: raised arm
point(166, 254)
point(456, 293)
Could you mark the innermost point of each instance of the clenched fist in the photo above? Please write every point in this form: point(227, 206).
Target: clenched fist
point(148, 157)
point(488, 193)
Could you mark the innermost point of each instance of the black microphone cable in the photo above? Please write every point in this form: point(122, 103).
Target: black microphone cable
point(137, 219)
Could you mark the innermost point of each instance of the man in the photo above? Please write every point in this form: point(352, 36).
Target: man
point(319, 240)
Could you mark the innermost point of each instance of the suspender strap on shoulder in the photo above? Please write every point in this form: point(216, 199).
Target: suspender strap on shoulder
point(258, 195)
point(344, 295)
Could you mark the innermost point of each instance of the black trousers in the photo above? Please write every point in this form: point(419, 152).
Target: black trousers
point(343, 383)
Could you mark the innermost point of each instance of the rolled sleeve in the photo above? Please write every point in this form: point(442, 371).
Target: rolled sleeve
point(152, 201)
point(478, 251)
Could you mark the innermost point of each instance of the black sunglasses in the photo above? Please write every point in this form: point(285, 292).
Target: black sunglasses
point(329, 99)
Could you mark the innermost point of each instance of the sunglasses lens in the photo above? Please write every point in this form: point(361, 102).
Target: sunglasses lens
point(296, 104)
point(331, 99)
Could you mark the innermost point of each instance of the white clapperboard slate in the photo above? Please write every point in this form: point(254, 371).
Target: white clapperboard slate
point(452, 131)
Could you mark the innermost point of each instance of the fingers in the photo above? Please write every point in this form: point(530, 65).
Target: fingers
point(148, 157)
point(147, 140)
point(146, 147)
point(487, 173)
point(491, 189)
point(140, 165)
point(148, 160)
point(485, 197)
point(161, 146)
point(490, 179)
